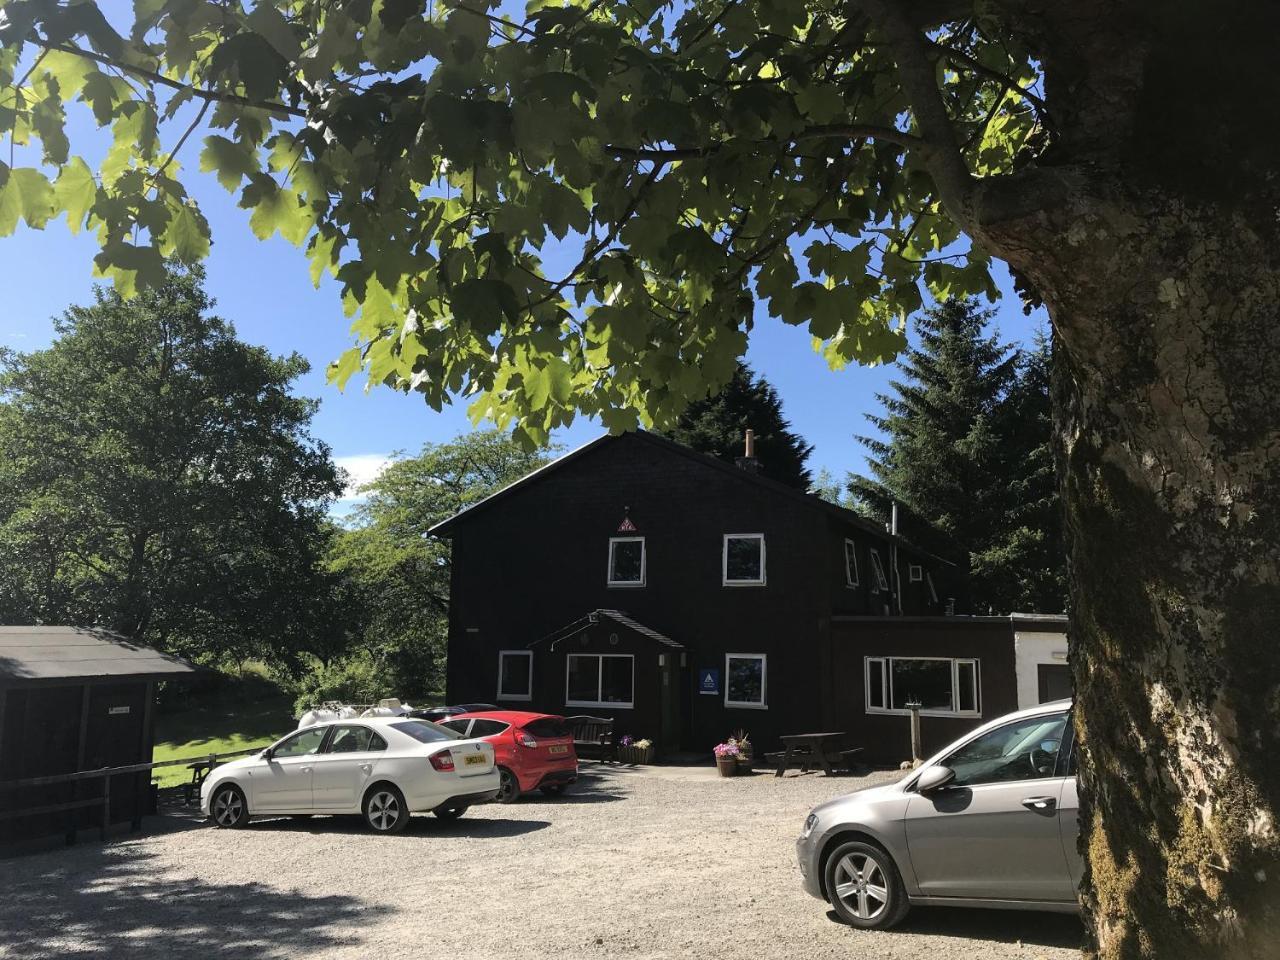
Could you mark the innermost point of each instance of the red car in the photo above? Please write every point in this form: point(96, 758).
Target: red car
point(533, 751)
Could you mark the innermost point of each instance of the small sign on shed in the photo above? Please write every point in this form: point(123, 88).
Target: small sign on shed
point(709, 681)
point(117, 711)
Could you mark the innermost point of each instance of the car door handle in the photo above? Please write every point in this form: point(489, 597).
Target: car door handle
point(366, 767)
point(1040, 803)
point(304, 769)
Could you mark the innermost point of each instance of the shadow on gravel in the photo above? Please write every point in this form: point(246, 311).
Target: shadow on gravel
point(113, 902)
point(419, 825)
point(1003, 926)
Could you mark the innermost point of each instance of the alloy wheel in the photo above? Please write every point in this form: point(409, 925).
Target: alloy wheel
point(861, 885)
point(384, 810)
point(227, 808)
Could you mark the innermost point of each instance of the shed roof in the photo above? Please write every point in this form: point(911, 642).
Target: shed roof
point(29, 654)
point(617, 616)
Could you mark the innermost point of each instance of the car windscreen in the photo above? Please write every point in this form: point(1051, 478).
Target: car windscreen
point(547, 727)
point(425, 732)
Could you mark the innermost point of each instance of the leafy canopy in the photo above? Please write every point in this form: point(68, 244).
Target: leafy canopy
point(568, 209)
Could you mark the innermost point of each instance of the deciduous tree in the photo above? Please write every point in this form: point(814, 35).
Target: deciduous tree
point(826, 158)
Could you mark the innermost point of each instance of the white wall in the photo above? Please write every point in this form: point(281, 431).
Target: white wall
point(1029, 650)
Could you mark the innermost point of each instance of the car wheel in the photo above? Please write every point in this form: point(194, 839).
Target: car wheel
point(228, 808)
point(508, 786)
point(554, 789)
point(385, 810)
point(449, 813)
point(864, 886)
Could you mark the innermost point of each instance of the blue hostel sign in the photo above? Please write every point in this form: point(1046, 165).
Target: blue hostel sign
point(709, 680)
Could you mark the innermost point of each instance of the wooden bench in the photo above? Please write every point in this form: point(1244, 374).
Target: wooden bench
point(812, 750)
point(592, 735)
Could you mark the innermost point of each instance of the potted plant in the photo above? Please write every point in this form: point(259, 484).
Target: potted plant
point(727, 754)
point(746, 752)
point(635, 751)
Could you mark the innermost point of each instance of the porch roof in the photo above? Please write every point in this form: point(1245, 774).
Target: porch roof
point(617, 616)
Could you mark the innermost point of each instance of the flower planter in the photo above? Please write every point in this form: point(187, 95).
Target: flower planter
point(744, 763)
point(635, 755)
point(728, 766)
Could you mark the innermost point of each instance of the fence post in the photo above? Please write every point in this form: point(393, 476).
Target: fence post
point(106, 805)
point(916, 749)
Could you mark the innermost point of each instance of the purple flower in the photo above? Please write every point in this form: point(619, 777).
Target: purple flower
point(626, 740)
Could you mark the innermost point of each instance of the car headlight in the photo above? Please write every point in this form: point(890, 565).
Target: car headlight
point(810, 822)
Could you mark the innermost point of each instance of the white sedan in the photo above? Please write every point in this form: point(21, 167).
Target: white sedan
point(384, 768)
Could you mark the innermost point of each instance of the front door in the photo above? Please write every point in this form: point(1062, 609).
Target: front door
point(994, 832)
point(343, 769)
point(284, 781)
point(1053, 682)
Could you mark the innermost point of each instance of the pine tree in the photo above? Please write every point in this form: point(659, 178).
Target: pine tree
point(966, 455)
point(716, 426)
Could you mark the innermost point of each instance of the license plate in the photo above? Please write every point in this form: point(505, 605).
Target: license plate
point(558, 748)
point(475, 759)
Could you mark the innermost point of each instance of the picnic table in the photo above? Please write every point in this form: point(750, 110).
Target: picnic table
point(805, 750)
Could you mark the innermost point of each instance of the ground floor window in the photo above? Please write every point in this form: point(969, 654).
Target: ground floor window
point(942, 686)
point(515, 675)
point(745, 681)
point(599, 680)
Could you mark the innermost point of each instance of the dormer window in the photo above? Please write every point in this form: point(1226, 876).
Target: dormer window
point(915, 572)
point(877, 568)
point(850, 564)
point(627, 562)
point(743, 560)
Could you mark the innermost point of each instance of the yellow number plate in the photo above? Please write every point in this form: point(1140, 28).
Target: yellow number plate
point(558, 748)
point(475, 759)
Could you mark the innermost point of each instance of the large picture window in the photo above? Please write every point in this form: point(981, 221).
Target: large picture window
point(743, 559)
point(745, 679)
point(850, 564)
point(515, 675)
point(627, 562)
point(943, 687)
point(599, 680)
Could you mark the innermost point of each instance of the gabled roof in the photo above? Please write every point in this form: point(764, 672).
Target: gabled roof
point(74, 653)
point(617, 616)
point(838, 513)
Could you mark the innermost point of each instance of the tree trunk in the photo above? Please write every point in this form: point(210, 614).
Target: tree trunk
point(1167, 408)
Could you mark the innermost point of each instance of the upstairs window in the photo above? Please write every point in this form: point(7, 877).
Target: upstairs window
point(933, 593)
point(915, 572)
point(850, 564)
point(515, 675)
point(743, 559)
point(877, 568)
point(627, 562)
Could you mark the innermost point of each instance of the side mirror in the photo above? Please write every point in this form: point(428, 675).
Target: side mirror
point(934, 778)
point(266, 755)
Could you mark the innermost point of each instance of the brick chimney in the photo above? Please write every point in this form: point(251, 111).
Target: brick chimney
point(748, 461)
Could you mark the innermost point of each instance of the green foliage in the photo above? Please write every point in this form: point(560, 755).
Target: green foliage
point(157, 477)
point(356, 678)
point(687, 159)
point(393, 578)
point(966, 453)
point(717, 425)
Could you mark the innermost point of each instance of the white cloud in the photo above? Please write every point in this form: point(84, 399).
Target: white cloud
point(361, 468)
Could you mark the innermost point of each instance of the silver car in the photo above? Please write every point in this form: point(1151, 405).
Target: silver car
point(991, 821)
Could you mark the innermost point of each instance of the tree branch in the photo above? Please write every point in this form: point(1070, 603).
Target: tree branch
point(219, 96)
point(845, 131)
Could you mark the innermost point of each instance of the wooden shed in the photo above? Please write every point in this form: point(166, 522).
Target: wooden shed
point(74, 699)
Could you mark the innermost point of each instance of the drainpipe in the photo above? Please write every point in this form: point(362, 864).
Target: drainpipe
point(895, 581)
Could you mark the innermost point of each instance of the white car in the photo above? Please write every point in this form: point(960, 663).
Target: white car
point(383, 768)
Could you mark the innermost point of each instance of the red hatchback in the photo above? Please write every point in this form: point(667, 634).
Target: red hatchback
point(533, 751)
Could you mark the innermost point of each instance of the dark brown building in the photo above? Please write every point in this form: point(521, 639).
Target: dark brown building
point(688, 598)
point(74, 699)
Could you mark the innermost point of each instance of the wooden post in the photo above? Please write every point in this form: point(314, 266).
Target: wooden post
point(916, 749)
point(77, 791)
point(106, 806)
point(142, 779)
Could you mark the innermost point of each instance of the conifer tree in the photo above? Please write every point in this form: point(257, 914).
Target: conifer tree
point(716, 426)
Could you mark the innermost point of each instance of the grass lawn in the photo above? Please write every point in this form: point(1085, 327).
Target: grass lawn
point(218, 727)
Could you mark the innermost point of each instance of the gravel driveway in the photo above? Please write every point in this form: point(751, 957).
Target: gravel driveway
point(670, 863)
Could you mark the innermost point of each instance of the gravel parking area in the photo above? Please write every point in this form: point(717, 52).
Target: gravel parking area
point(668, 863)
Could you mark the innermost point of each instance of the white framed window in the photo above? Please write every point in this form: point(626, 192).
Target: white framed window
point(915, 572)
point(850, 564)
point(746, 680)
point(628, 563)
point(933, 593)
point(600, 680)
point(943, 686)
point(743, 560)
point(515, 674)
point(877, 569)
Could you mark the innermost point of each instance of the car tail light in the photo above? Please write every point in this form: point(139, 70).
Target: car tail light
point(525, 740)
point(443, 760)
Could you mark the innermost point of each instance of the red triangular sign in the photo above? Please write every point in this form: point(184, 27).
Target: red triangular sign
point(626, 526)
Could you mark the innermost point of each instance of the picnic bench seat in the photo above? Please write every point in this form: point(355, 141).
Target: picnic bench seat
point(592, 735)
point(805, 755)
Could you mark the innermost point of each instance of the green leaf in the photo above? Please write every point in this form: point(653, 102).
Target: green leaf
point(27, 196)
point(75, 192)
point(187, 236)
point(268, 22)
point(345, 367)
point(232, 161)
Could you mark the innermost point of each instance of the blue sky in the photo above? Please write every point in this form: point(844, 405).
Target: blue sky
point(265, 290)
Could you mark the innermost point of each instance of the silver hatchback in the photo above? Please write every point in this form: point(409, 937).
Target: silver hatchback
point(991, 821)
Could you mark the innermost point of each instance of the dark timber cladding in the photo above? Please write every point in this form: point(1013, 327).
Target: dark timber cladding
point(683, 596)
point(74, 699)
